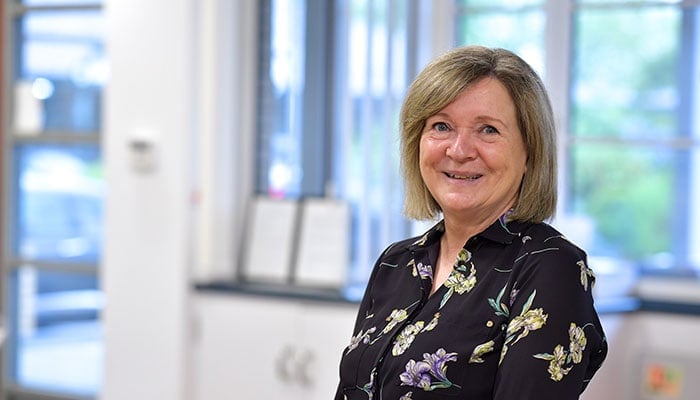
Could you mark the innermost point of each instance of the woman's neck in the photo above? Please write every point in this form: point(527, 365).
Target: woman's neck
point(459, 230)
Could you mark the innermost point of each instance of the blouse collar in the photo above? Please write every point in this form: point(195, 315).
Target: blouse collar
point(502, 231)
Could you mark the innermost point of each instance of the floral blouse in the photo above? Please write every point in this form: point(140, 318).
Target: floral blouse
point(514, 320)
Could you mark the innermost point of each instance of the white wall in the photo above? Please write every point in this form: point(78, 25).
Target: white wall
point(181, 77)
point(147, 237)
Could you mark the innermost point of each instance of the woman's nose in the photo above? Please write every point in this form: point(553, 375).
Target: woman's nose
point(461, 147)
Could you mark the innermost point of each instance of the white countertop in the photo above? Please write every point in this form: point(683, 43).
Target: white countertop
point(676, 290)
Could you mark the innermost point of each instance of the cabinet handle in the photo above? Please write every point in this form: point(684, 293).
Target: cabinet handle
point(304, 360)
point(294, 366)
point(282, 364)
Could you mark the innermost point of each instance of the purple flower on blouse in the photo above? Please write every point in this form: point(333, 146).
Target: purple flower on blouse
point(513, 295)
point(425, 271)
point(437, 363)
point(420, 373)
point(417, 374)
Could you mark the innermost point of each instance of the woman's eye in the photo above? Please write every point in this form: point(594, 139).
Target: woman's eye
point(489, 129)
point(441, 127)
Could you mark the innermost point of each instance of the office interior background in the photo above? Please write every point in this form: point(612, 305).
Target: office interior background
point(138, 138)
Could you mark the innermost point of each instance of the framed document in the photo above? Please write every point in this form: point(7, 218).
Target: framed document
point(324, 238)
point(270, 240)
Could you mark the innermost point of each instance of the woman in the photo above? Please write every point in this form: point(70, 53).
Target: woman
point(491, 303)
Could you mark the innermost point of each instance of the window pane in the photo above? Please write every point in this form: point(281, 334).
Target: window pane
point(634, 201)
point(62, 69)
point(625, 77)
point(57, 331)
point(371, 81)
point(282, 87)
point(59, 202)
point(522, 33)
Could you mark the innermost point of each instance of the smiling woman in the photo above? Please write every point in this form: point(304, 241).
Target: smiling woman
point(476, 136)
point(435, 90)
point(472, 161)
point(472, 155)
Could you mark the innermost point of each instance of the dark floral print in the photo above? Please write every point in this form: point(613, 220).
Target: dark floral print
point(513, 320)
point(406, 337)
point(561, 357)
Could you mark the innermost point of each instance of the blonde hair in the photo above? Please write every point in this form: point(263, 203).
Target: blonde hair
point(440, 83)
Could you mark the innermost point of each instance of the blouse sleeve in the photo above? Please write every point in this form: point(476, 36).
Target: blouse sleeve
point(554, 342)
point(367, 300)
point(363, 310)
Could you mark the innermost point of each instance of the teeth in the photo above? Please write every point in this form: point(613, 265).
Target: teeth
point(464, 177)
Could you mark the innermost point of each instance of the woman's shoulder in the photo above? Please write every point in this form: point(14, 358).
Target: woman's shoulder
point(547, 236)
point(550, 255)
point(401, 247)
point(416, 243)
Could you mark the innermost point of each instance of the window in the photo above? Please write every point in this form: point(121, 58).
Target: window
point(360, 54)
point(622, 76)
point(53, 187)
point(633, 141)
point(628, 128)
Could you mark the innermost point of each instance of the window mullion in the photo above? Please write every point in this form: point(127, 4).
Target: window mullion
point(558, 64)
point(694, 173)
point(70, 267)
point(686, 219)
point(313, 122)
point(57, 138)
point(19, 9)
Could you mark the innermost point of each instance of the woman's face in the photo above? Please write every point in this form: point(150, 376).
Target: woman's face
point(472, 155)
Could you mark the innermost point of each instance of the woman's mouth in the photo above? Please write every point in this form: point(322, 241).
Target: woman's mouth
point(464, 177)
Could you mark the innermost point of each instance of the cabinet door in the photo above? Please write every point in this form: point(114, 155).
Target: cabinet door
point(259, 348)
point(239, 346)
point(326, 330)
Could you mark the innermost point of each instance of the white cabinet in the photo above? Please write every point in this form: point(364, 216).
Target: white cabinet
point(253, 347)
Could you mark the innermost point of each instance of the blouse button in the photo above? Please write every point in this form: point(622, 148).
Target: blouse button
point(489, 324)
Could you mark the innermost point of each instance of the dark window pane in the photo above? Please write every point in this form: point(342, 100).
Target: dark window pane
point(625, 77)
point(281, 149)
point(57, 331)
point(59, 202)
point(61, 72)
